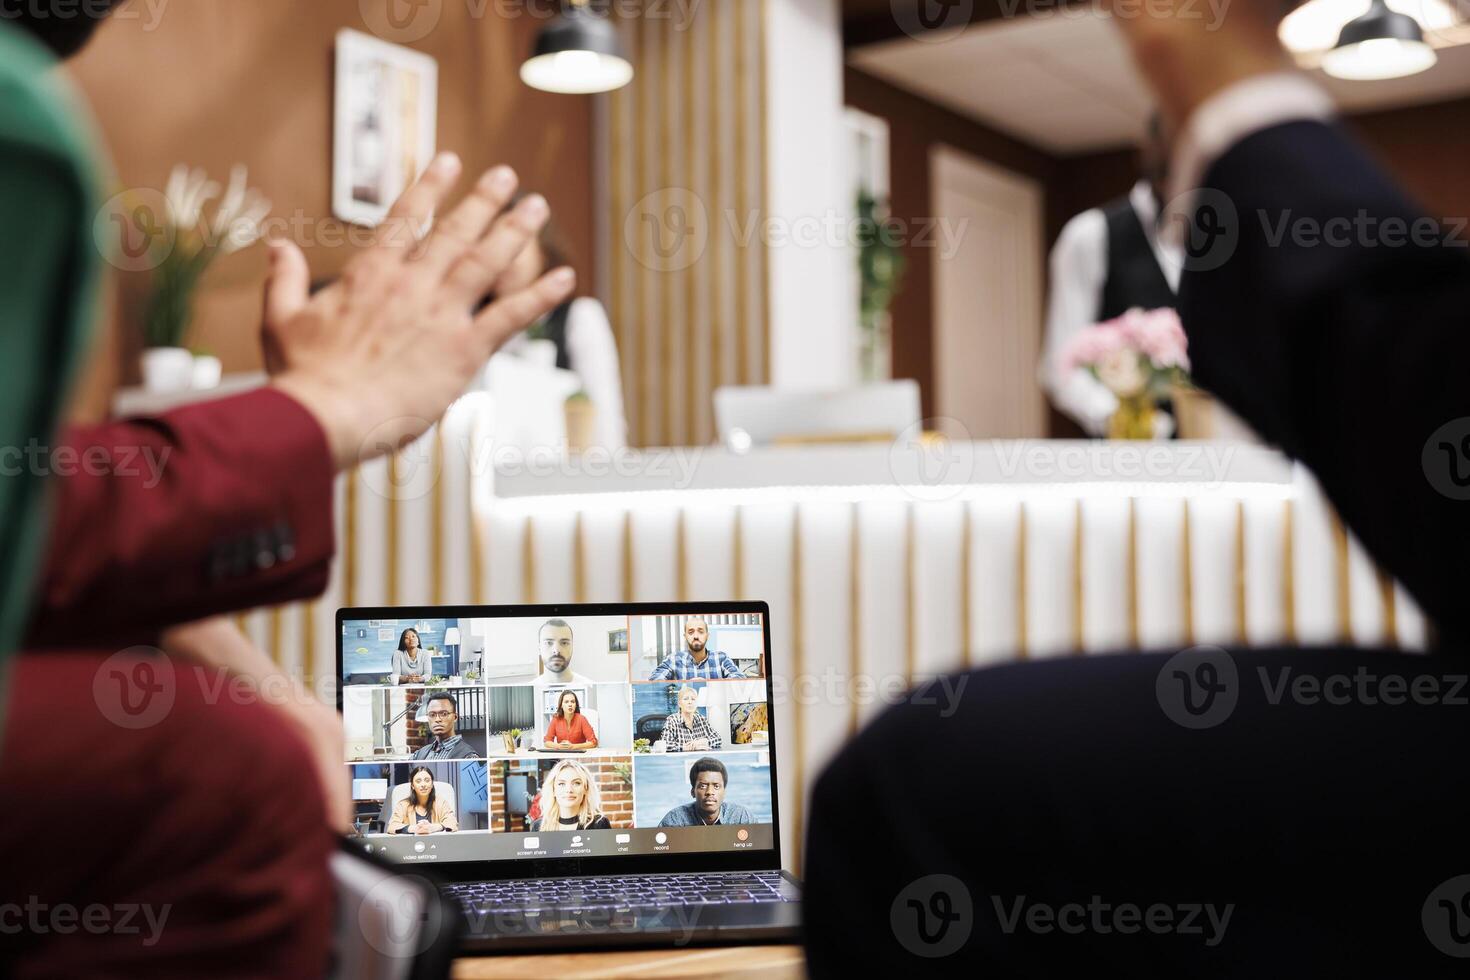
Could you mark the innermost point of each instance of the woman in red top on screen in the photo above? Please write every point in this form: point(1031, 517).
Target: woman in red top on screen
point(569, 728)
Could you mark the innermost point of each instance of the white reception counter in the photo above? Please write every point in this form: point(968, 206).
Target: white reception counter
point(882, 564)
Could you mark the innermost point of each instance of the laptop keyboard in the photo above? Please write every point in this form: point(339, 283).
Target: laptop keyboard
point(630, 892)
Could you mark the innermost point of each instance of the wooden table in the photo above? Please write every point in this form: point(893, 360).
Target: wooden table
point(772, 962)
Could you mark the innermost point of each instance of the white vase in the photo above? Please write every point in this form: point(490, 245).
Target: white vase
point(207, 372)
point(167, 370)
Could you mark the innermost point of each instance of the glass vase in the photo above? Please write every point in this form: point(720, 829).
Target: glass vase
point(1134, 418)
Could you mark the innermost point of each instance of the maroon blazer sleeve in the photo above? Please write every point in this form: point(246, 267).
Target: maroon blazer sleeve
point(210, 508)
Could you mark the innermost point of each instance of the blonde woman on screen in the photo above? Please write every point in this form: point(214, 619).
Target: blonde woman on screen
point(569, 799)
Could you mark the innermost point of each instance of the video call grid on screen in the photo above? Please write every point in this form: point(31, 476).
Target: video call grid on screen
point(665, 751)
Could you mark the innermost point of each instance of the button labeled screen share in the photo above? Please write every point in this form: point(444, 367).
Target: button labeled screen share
point(531, 843)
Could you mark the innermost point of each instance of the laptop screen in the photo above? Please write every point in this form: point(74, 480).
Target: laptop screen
point(594, 732)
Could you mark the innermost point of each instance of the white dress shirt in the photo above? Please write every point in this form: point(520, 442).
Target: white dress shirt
point(1079, 267)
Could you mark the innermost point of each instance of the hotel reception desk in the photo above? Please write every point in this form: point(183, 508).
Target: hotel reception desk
point(882, 563)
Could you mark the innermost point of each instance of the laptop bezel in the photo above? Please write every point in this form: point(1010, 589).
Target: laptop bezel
point(491, 869)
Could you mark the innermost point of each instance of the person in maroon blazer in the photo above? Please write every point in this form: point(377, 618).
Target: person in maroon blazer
point(205, 818)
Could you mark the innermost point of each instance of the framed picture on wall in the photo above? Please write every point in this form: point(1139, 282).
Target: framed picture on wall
point(385, 127)
point(617, 641)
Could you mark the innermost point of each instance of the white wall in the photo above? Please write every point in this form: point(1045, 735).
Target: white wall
point(813, 307)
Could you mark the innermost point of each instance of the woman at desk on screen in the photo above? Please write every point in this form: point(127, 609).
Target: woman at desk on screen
point(421, 812)
point(569, 728)
point(569, 799)
point(411, 664)
point(580, 332)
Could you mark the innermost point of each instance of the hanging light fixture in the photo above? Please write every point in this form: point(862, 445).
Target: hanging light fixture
point(578, 53)
point(1382, 43)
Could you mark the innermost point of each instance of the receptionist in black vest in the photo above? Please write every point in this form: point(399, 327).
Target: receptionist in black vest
point(1106, 261)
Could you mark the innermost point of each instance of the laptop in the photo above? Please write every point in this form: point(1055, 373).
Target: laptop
point(761, 416)
point(589, 775)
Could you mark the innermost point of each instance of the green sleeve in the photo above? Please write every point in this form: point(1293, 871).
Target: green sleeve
point(49, 269)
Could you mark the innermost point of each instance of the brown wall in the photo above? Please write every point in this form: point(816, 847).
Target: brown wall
point(915, 126)
point(1425, 147)
point(219, 82)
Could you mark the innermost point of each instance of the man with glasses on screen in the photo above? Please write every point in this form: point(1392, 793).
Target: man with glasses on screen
point(443, 712)
point(697, 661)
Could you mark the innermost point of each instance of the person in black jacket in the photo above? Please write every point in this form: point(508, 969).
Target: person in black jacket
point(1216, 812)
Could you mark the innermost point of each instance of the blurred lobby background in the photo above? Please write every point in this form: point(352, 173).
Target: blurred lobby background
point(709, 205)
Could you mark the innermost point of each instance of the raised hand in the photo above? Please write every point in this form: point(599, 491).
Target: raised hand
point(379, 355)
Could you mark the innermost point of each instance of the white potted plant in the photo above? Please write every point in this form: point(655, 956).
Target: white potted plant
point(167, 364)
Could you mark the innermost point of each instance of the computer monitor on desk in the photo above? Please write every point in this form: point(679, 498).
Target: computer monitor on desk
point(760, 416)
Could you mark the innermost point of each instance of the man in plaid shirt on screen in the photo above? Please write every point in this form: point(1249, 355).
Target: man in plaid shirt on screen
point(697, 662)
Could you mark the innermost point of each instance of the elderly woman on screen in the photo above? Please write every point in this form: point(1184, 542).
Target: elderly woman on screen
point(686, 730)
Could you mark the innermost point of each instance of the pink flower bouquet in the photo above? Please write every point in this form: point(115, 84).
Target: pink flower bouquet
point(1139, 356)
point(1140, 353)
